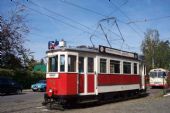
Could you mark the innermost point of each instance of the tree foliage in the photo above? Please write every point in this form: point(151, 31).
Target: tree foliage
point(156, 51)
point(12, 36)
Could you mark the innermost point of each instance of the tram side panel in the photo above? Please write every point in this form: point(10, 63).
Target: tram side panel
point(90, 83)
point(63, 85)
point(81, 83)
point(113, 83)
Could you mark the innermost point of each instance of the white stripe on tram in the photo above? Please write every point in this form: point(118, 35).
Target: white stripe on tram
point(113, 88)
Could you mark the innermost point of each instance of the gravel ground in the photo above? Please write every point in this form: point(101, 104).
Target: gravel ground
point(30, 102)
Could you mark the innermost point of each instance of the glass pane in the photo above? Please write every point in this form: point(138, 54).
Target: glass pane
point(114, 66)
point(153, 74)
point(53, 64)
point(71, 63)
point(161, 74)
point(135, 68)
point(127, 67)
point(90, 65)
point(81, 64)
point(62, 63)
point(102, 65)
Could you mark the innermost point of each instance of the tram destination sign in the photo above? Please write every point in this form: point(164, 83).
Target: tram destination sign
point(108, 50)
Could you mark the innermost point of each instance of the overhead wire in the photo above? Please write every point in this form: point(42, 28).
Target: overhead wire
point(89, 10)
point(128, 19)
point(75, 5)
point(67, 18)
point(59, 14)
point(80, 7)
point(61, 21)
point(148, 20)
point(124, 3)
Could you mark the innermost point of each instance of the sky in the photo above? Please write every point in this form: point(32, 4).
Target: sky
point(76, 21)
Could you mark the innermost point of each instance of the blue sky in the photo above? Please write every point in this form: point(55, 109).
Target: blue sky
point(72, 19)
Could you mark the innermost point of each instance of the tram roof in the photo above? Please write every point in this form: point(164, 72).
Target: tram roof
point(158, 69)
point(97, 51)
point(76, 49)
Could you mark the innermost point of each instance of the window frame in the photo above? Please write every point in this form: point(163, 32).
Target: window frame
point(83, 64)
point(49, 66)
point(105, 66)
point(137, 70)
point(70, 62)
point(88, 64)
point(110, 66)
point(124, 68)
point(64, 62)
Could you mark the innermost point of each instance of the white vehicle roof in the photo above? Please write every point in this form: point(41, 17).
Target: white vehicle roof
point(158, 69)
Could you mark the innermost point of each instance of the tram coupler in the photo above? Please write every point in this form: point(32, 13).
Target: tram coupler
point(51, 103)
point(46, 100)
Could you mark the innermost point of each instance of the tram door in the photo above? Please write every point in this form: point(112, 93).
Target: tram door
point(86, 75)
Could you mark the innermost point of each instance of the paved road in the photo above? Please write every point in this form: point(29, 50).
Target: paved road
point(30, 102)
point(26, 102)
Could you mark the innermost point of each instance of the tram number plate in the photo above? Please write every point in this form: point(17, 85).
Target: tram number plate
point(52, 74)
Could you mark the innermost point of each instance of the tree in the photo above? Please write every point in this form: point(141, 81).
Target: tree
point(32, 62)
point(163, 54)
point(12, 37)
point(156, 52)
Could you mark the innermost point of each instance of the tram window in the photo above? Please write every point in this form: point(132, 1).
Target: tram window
point(90, 64)
point(135, 68)
point(114, 66)
point(81, 64)
point(62, 63)
point(53, 64)
point(71, 63)
point(153, 74)
point(102, 65)
point(127, 67)
point(161, 74)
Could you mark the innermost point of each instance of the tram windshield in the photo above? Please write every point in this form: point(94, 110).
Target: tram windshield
point(58, 63)
point(153, 74)
point(157, 74)
point(161, 74)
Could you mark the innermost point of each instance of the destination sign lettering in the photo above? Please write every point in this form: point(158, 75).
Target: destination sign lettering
point(104, 49)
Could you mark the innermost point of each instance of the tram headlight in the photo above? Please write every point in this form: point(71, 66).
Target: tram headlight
point(50, 90)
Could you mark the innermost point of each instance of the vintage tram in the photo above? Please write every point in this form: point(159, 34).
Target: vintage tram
point(81, 74)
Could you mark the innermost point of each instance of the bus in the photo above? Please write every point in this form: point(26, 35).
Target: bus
point(158, 77)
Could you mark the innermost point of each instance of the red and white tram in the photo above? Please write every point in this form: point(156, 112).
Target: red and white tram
point(158, 78)
point(82, 73)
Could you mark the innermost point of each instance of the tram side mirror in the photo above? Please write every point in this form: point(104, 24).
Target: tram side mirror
point(164, 74)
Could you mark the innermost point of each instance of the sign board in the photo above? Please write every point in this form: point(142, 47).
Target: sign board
point(108, 50)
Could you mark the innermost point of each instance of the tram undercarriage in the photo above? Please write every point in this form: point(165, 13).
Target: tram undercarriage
point(63, 102)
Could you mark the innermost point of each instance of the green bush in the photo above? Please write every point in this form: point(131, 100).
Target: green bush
point(24, 77)
point(6, 72)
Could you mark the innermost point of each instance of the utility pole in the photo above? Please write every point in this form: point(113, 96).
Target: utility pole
point(153, 49)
